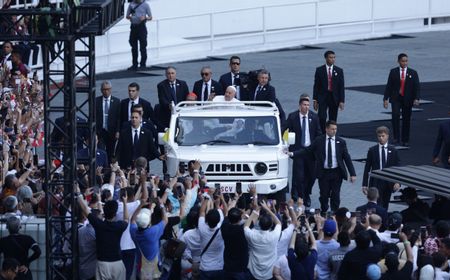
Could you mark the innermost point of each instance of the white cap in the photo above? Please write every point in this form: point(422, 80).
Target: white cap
point(143, 218)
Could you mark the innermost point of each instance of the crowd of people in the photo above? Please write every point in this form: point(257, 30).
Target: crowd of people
point(134, 224)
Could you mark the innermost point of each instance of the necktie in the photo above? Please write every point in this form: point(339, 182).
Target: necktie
point(303, 131)
point(136, 137)
point(174, 92)
point(383, 157)
point(258, 90)
point(131, 109)
point(330, 154)
point(105, 114)
point(402, 83)
point(135, 144)
point(205, 92)
point(330, 80)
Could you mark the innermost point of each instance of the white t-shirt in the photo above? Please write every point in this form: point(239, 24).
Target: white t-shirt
point(212, 259)
point(193, 244)
point(283, 243)
point(283, 265)
point(126, 243)
point(262, 256)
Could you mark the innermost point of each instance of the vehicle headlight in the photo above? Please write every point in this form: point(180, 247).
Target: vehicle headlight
point(260, 168)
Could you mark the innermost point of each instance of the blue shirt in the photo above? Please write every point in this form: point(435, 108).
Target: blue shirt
point(324, 247)
point(304, 267)
point(147, 240)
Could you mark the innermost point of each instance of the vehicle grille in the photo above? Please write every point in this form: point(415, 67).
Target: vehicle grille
point(228, 169)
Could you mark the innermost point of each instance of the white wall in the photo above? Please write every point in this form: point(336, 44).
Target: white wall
point(183, 30)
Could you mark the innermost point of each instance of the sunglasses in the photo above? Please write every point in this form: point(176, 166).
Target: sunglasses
point(205, 74)
point(236, 63)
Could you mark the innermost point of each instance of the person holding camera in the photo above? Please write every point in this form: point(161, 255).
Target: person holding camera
point(138, 14)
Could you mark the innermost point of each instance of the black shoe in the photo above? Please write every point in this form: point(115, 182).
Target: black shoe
point(307, 202)
point(142, 67)
point(132, 68)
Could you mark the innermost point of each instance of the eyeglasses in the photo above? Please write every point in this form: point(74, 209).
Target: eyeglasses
point(236, 63)
point(106, 88)
point(205, 74)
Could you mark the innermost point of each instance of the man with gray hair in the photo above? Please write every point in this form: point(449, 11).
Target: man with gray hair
point(207, 88)
point(17, 246)
point(107, 109)
point(138, 13)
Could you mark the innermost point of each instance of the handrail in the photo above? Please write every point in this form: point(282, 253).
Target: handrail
point(211, 105)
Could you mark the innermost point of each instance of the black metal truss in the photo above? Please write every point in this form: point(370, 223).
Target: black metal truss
point(67, 38)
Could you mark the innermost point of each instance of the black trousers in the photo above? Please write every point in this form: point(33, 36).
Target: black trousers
point(400, 107)
point(109, 140)
point(303, 177)
point(328, 107)
point(330, 189)
point(384, 192)
point(138, 34)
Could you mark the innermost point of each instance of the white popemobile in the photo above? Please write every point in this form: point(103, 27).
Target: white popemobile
point(234, 141)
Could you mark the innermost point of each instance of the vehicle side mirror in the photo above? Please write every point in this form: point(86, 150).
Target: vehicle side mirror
point(291, 138)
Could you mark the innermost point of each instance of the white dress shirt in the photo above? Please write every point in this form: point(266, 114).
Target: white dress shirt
point(400, 72)
point(133, 131)
point(307, 136)
point(333, 153)
point(238, 95)
point(208, 84)
point(105, 113)
point(136, 101)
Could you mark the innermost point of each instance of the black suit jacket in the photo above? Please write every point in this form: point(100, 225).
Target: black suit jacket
point(320, 90)
point(443, 137)
point(148, 110)
point(412, 86)
point(343, 158)
point(226, 81)
point(113, 114)
point(82, 131)
point(373, 162)
point(199, 85)
point(380, 211)
point(165, 99)
point(267, 93)
point(146, 147)
point(293, 124)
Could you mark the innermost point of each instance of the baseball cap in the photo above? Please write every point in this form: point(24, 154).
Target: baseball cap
point(143, 218)
point(329, 227)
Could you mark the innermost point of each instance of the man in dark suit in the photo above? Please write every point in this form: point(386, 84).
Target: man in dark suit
point(442, 143)
point(371, 207)
point(134, 98)
point(170, 90)
point(148, 124)
point(329, 89)
point(263, 91)
point(107, 108)
point(136, 141)
point(206, 88)
point(332, 163)
point(233, 78)
point(57, 135)
point(306, 126)
point(381, 156)
point(402, 91)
